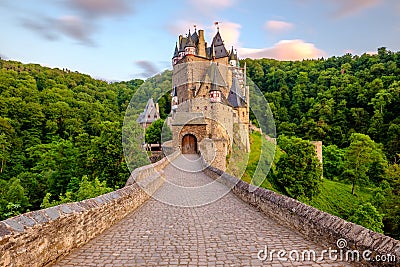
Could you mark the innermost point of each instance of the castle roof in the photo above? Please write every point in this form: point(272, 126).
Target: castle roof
point(176, 53)
point(149, 114)
point(219, 47)
point(215, 50)
point(190, 41)
point(233, 55)
point(195, 37)
point(213, 76)
point(235, 96)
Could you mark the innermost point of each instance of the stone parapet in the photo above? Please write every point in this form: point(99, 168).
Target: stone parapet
point(39, 238)
point(313, 224)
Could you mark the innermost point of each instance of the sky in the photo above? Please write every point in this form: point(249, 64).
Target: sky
point(119, 40)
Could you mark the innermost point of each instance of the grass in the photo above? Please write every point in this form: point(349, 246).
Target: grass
point(246, 165)
point(336, 198)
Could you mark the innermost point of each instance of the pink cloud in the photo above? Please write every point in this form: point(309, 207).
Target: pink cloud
point(350, 7)
point(278, 26)
point(285, 50)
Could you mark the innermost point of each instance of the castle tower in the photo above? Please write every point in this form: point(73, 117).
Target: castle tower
point(209, 99)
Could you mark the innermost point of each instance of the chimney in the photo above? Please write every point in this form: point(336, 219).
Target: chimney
point(180, 42)
point(202, 44)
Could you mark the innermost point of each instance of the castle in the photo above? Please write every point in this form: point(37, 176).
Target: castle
point(210, 99)
point(150, 114)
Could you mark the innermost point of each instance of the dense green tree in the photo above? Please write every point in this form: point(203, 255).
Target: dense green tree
point(360, 156)
point(153, 132)
point(299, 173)
point(53, 131)
point(367, 216)
point(5, 147)
point(333, 158)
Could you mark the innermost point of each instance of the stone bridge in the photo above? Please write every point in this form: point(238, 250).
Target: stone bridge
point(184, 224)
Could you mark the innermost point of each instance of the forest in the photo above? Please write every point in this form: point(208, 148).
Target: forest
point(60, 136)
point(60, 133)
point(352, 104)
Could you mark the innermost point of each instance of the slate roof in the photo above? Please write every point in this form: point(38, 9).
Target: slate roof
point(214, 77)
point(149, 110)
point(235, 96)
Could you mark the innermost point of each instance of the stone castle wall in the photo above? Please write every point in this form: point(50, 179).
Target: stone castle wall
point(38, 238)
point(312, 223)
point(191, 75)
point(214, 151)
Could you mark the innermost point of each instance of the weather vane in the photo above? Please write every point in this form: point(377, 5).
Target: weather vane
point(217, 24)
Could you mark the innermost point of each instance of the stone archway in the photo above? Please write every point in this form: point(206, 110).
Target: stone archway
point(189, 144)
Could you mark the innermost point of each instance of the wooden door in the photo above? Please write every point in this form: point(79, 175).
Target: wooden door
point(189, 144)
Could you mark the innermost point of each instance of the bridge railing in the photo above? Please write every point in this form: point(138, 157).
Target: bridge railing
point(312, 223)
point(40, 237)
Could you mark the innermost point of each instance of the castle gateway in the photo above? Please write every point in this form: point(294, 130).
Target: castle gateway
point(210, 99)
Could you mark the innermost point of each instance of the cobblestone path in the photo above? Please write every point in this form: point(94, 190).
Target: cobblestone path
point(226, 232)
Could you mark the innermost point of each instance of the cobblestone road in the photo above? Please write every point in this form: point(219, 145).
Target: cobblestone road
point(226, 232)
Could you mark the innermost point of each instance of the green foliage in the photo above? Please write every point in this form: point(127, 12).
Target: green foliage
point(13, 199)
point(299, 173)
point(367, 216)
point(55, 127)
point(153, 132)
point(329, 99)
point(363, 157)
point(333, 158)
point(87, 189)
point(255, 166)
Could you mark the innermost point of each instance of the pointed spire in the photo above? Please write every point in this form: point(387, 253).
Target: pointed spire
point(176, 53)
point(212, 51)
point(189, 41)
point(232, 55)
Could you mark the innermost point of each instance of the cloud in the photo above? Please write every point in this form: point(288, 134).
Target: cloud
point(149, 69)
point(96, 8)
point(41, 27)
point(52, 29)
point(75, 28)
point(351, 7)
point(81, 25)
point(278, 26)
point(285, 50)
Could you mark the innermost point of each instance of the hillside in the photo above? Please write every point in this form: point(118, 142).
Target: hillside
point(59, 131)
point(350, 103)
point(329, 99)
